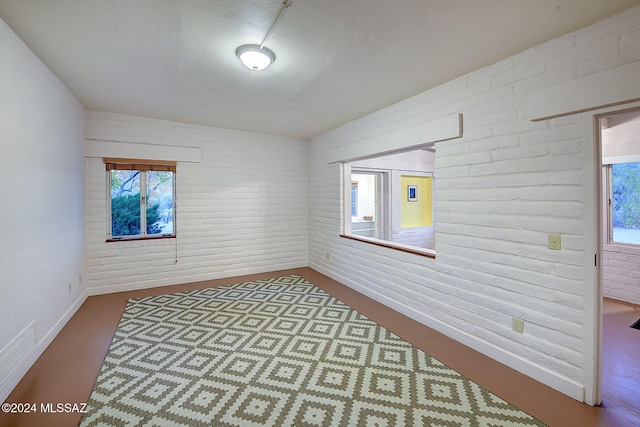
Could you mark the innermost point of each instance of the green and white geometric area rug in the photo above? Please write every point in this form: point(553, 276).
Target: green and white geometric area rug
point(278, 352)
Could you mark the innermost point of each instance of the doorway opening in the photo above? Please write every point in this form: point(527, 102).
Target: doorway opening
point(369, 203)
point(618, 135)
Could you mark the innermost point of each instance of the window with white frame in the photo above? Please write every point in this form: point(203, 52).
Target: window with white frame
point(623, 202)
point(140, 199)
point(354, 198)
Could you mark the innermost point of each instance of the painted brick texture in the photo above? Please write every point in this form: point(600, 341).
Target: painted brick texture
point(499, 190)
point(241, 210)
point(621, 272)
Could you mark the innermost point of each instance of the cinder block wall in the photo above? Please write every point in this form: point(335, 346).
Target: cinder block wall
point(621, 272)
point(500, 189)
point(241, 210)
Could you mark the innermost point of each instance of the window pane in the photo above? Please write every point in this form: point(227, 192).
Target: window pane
point(626, 202)
point(364, 222)
point(125, 203)
point(354, 199)
point(159, 202)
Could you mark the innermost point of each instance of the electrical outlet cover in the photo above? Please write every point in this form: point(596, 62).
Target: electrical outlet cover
point(517, 325)
point(555, 241)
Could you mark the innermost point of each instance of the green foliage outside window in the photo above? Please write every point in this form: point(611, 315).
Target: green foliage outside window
point(126, 203)
point(125, 216)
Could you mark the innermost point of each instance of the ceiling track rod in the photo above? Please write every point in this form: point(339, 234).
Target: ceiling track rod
point(285, 4)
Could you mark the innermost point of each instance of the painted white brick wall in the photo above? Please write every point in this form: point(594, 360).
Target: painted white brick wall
point(500, 189)
point(242, 210)
point(621, 272)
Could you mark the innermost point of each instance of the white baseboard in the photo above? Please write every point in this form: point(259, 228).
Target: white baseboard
point(27, 362)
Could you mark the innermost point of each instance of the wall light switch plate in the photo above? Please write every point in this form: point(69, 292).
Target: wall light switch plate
point(555, 241)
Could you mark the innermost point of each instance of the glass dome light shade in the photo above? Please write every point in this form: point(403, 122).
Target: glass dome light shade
point(255, 58)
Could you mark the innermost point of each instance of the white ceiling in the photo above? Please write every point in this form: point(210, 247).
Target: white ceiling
point(336, 60)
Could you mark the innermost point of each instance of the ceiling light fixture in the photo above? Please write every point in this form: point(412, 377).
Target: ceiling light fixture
point(257, 57)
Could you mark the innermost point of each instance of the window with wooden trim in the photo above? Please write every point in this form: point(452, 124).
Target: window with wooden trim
point(140, 199)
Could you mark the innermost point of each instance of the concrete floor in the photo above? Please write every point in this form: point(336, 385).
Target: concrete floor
point(621, 361)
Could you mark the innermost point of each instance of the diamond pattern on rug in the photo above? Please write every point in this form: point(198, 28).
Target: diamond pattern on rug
point(276, 352)
point(315, 411)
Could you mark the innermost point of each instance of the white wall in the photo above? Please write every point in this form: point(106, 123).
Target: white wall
point(621, 272)
point(621, 138)
point(242, 209)
point(366, 194)
point(42, 214)
point(500, 189)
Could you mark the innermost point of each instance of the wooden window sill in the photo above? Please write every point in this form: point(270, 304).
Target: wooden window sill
point(385, 244)
point(129, 239)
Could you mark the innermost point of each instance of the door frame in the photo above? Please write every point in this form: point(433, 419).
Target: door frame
point(595, 294)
